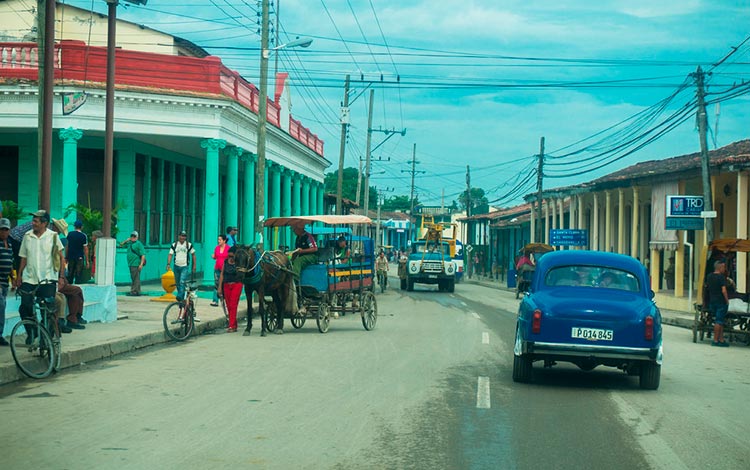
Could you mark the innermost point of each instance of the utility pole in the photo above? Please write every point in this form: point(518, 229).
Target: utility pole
point(700, 76)
point(367, 163)
point(468, 191)
point(46, 49)
point(539, 182)
point(413, 172)
point(260, 166)
point(381, 196)
point(359, 182)
point(342, 148)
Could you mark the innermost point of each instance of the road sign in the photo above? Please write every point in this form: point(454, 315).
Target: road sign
point(684, 223)
point(684, 206)
point(562, 237)
point(708, 214)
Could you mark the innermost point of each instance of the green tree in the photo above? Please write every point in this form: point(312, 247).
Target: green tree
point(399, 203)
point(478, 198)
point(349, 186)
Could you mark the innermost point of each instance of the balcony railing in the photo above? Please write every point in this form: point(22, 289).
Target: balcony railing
point(74, 60)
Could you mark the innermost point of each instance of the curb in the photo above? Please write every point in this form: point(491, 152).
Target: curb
point(10, 373)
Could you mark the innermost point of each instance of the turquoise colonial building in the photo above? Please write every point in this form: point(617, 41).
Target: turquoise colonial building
point(185, 131)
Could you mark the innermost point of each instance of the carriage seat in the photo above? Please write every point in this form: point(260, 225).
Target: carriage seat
point(325, 254)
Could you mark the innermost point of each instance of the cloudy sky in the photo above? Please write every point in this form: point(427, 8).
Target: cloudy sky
point(607, 83)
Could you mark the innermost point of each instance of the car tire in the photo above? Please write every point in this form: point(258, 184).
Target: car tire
point(522, 368)
point(409, 285)
point(650, 376)
point(451, 286)
point(403, 284)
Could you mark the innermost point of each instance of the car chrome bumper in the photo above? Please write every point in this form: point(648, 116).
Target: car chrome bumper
point(587, 350)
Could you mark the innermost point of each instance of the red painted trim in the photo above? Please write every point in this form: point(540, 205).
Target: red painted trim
point(74, 60)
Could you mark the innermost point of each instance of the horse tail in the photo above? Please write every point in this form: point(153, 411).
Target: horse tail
point(291, 298)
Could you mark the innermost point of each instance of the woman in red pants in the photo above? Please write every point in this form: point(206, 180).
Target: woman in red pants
point(230, 288)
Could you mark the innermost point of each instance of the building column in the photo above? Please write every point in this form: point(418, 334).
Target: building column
point(608, 222)
point(211, 204)
point(69, 186)
point(546, 223)
point(275, 205)
point(655, 268)
point(561, 212)
point(313, 198)
point(124, 190)
point(742, 195)
point(296, 193)
point(305, 195)
point(172, 206)
point(321, 194)
point(620, 221)
point(160, 202)
point(634, 223)
point(532, 226)
point(553, 203)
point(193, 230)
point(595, 223)
point(267, 204)
point(231, 210)
point(579, 213)
point(248, 199)
point(146, 229)
point(286, 198)
point(184, 198)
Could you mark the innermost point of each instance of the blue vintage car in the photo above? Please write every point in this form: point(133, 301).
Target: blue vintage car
point(590, 308)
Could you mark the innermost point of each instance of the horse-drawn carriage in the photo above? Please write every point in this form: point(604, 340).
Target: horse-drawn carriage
point(737, 319)
point(525, 272)
point(333, 285)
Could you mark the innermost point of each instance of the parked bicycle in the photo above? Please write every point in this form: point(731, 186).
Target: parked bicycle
point(179, 317)
point(35, 342)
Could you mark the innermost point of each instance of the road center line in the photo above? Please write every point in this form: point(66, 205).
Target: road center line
point(485, 338)
point(483, 392)
point(475, 315)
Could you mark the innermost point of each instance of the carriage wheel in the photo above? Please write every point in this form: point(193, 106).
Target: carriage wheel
point(324, 317)
point(298, 320)
point(270, 309)
point(369, 309)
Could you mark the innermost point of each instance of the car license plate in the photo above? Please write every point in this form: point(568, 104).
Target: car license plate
point(432, 276)
point(592, 334)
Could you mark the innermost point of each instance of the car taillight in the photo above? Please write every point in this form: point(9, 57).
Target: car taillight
point(536, 321)
point(649, 328)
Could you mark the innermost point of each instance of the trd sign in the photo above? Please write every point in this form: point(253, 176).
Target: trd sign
point(684, 206)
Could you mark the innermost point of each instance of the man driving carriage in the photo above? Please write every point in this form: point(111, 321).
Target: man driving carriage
point(305, 249)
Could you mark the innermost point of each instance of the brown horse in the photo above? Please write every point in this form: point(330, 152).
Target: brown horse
point(268, 273)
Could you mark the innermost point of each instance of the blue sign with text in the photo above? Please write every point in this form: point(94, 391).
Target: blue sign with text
point(570, 237)
point(684, 223)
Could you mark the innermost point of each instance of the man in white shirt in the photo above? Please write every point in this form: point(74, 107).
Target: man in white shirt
point(182, 251)
point(38, 269)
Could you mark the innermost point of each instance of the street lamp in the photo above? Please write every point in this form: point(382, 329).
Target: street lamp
point(260, 167)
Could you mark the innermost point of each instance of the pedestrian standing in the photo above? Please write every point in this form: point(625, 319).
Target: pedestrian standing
point(220, 255)
point(136, 257)
point(231, 236)
point(6, 269)
point(41, 261)
point(76, 253)
point(230, 288)
point(183, 253)
point(718, 301)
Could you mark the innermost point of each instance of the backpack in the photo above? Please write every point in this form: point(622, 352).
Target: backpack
point(189, 249)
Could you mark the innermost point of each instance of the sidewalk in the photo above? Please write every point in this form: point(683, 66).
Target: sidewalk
point(668, 317)
point(138, 325)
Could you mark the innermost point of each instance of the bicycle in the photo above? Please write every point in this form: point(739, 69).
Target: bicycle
point(179, 317)
point(35, 342)
point(382, 280)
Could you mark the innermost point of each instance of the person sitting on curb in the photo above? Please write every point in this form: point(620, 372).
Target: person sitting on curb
point(73, 295)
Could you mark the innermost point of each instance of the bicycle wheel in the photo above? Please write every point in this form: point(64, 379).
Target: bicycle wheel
point(178, 324)
point(32, 350)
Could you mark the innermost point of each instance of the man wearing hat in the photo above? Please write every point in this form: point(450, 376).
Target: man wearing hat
point(76, 253)
point(136, 261)
point(6, 269)
point(38, 268)
point(182, 251)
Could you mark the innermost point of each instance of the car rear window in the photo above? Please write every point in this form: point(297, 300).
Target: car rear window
point(592, 276)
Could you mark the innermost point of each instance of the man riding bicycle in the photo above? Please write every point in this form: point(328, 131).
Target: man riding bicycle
point(381, 267)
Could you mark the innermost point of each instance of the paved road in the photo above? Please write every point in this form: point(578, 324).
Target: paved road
point(430, 387)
